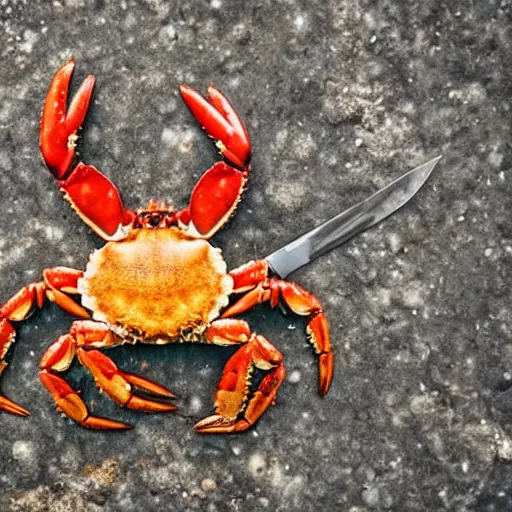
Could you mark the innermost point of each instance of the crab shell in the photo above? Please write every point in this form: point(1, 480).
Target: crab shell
point(156, 284)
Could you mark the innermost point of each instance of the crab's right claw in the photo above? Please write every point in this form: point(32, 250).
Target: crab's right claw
point(59, 124)
point(219, 119)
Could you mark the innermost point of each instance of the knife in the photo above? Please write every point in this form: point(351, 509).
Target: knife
point(351, 222)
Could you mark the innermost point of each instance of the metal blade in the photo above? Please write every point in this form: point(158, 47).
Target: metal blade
point(351, 222)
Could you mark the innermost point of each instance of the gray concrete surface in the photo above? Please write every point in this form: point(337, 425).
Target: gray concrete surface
point(340, 97)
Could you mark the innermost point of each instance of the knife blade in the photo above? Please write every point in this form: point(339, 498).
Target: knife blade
point(351, 222)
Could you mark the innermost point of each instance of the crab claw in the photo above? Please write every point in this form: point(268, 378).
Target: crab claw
point(213, 200)
point(236, 408)
point(217, 424)
point(219, 119)
point(118, 385)
point(59, 124)
point(7, 336)
point(91, 194)
point(97, 202)
point(72, 405)
point(11, 407)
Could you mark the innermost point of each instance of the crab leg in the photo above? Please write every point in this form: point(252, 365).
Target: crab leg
point(118, 385)
point(57, 282)
point(217, 193)
point(235, 409)
point(253, 279)
point(91, 194)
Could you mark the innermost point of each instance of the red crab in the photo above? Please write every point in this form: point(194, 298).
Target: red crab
point(157, 280)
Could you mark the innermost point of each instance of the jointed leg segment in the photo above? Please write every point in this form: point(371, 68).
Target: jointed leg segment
point(56, 284)
point(118, 385)
point(253, 279)
point(236, 409)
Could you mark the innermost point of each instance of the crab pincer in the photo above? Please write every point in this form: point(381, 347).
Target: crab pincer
point(221, 122)
point(91, 194)
point(217, 193)
point(7, 335)
point(119, 385)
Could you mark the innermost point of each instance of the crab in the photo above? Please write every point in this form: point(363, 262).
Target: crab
point(157, 279)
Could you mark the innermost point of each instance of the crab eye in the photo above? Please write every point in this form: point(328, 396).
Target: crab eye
point(154, 221)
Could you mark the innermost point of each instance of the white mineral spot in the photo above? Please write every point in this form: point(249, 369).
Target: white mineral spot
point(182, 140)
point(167, 34)
point(216, 4)
point(488, 252)
point(281, 138)
point(358, 142)
point(195, 405)
point(257, 465)
point(236, 450)
point(264, 502)
point(370, 496)
point(395, 242)
point(300, 22)
point(54, 233)
point(169, 137)
point(5, 161)
point(29, 40)
point(412, 296)
point(383, 296)
point(276, 476)
point(23, 451)
point(505, 450)
point(304, 145)
point(294, 377)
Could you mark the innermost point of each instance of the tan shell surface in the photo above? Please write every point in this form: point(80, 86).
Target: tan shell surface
point(159, 282)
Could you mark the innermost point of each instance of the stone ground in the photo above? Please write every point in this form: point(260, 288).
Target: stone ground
point(340, 97)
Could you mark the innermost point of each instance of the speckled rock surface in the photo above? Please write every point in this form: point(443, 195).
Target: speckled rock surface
point(340, 97)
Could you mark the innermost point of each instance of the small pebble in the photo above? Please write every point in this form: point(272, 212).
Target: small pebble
point(257, 464)
point(208, 485)
point(23, 451)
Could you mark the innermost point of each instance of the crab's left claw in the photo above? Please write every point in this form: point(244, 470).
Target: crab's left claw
point(221, 122)
point(91, 194)
point(216, 195)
